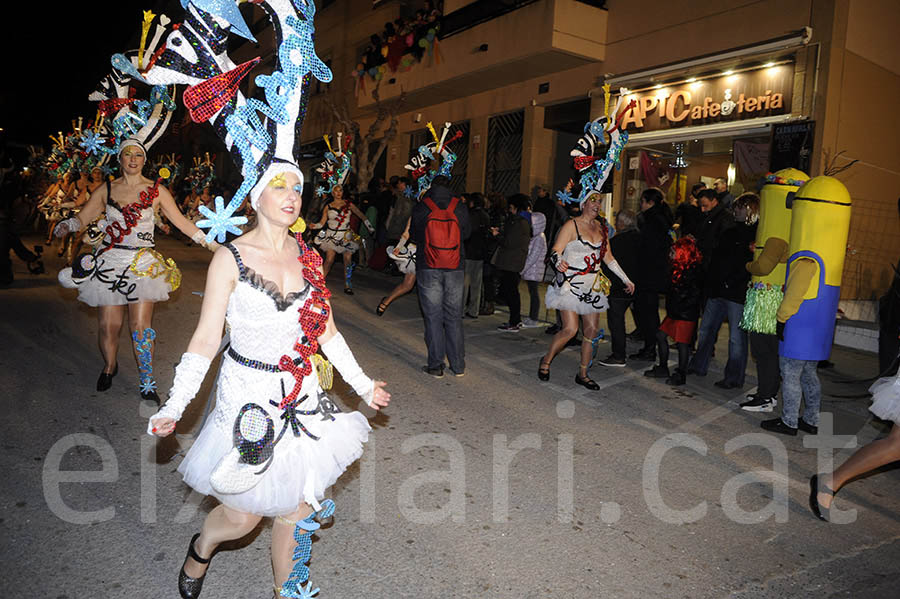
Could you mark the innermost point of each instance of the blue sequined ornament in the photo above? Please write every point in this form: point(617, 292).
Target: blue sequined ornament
point(221, 221)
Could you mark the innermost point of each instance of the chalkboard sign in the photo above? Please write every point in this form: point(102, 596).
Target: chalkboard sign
point(792, 145)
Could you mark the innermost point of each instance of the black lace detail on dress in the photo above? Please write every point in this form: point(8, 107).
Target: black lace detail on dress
point(260, 283)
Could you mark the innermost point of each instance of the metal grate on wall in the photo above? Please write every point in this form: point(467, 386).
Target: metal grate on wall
point(460, 147)
point(504, 153)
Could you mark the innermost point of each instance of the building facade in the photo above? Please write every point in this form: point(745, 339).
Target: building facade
point(729, 89)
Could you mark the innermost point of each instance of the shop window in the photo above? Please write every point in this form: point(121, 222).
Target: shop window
point(675, 167)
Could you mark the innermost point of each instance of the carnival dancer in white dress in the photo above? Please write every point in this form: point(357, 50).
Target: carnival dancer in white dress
point(886, 406)
point(336, 236)
point(275, 440)
point(404, 254)
point(421, 166)
point(125, 270)
point(580, 288)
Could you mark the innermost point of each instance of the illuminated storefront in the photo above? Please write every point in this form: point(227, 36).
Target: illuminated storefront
point(689, 128)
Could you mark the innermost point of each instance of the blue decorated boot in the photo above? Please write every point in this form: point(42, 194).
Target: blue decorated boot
point(293, 587)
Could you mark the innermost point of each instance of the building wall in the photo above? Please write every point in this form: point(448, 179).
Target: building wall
point(845, 79)
point(860, 121)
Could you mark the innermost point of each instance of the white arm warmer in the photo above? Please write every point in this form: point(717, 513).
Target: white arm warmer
point(200, 239)
point(189, 375)
point(617, 270)
point(340, 356)
point(70, 225)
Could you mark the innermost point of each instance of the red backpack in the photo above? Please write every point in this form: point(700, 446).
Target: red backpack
point(442, 236)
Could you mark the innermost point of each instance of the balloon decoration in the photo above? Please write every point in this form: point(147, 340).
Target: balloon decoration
point(402, 44)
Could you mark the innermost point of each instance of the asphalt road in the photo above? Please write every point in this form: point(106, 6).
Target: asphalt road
point(490, 485)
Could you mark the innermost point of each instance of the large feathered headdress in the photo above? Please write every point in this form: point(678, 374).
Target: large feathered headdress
point(260, 133)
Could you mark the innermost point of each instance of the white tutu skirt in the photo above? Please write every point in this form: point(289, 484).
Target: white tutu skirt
point(406, 261)
point(340, 241)
point(301, 470)
point(110, 279)
point(886, 398)
point(578, 298)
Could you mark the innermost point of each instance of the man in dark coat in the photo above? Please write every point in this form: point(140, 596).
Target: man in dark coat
point(688, 214)
point(441, 289)
point(725, 289)
point(715, 220)
point(625, 246)
point(512, 251)
point(655, 223)
point(476, 245)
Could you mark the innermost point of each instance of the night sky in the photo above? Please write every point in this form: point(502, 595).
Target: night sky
point(53, 55)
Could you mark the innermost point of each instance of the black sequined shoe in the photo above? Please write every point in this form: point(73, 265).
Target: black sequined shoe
point(150, 396)
point(188, 587)
point(104, 382)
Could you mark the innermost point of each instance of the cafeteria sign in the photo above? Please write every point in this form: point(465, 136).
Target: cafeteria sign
point(749, 94)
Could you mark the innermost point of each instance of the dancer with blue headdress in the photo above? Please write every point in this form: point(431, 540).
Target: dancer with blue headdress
point(580, 288)
point(275, 440)
point(125, 269)
point(422, 169)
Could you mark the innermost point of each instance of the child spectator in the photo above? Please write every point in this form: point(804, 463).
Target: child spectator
point(682, 310)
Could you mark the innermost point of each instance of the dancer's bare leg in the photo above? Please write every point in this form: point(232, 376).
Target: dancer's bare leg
point(590, 325)
point(402, 289)
point(568, 330)
point(222, 524)
point(110, 320)
point(329, 260)
point(283, 543)
point(868, 458)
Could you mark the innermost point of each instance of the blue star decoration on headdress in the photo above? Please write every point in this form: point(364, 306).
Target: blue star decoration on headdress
point(221, 221)
point(91, 142)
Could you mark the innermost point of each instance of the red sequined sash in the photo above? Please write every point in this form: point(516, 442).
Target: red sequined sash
point(313, 317)
point(132, 215)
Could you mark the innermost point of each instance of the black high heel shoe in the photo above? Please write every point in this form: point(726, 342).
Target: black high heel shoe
point(381, 307)
point(586, 382)
point(188, 587)
point(544, 370)
point(821, 512)
point(105, 380)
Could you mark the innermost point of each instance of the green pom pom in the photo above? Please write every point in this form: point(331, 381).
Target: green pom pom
point(760, 306)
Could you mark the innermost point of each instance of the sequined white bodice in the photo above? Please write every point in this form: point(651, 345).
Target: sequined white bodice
point(141, 234)
point(335, 223)
point(263, 324)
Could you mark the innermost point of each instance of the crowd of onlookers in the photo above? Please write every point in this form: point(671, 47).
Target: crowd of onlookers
point(703, 278)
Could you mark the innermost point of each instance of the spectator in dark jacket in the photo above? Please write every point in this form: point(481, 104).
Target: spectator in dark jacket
point(512, 251)
point(726, 288)
point(475, 246)
point(688, 214)
point(625, 246)
point(715, 220)
point(440, 289)
point(682, 310)
point(655, 223)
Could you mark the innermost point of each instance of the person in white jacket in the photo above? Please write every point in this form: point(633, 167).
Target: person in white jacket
point(533, 273)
